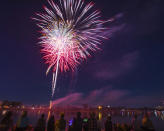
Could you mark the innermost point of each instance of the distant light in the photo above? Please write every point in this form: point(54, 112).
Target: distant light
point(7, 107)
point(4, 112)
point(108, 106)
point(99, 107)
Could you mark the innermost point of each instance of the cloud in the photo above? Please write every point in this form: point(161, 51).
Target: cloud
point(108, 96)
point(116, 68)
point(103, 96)
point(115, 25)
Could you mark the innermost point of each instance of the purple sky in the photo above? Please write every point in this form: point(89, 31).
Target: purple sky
point(128, 71)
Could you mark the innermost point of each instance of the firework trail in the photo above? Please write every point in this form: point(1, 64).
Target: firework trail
point(70, 30)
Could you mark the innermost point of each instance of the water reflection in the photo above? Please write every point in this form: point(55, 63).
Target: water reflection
point(159, 114)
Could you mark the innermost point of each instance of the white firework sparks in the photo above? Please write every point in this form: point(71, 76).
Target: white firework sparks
point(71, 30)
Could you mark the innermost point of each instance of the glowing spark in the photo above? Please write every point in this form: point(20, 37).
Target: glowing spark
point(70, 31)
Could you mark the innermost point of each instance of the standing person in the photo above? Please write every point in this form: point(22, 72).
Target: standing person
point(57, 125)
point(23, 122)
point(51, 124)
point(125, 127)
point(136, 124)
point(41, 124)
point(71, 125)
point(119, 128)
point(62, 123)
point(7, 122)
point(85, 124)
point(99, 124)
point(114, 127)
point(147, 124)
point(92, 122)
point(108, 124)
point(78, 122)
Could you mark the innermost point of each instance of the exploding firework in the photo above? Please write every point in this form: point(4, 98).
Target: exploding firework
point(70, 30)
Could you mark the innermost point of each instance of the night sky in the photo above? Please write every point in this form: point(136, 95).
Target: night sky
point(128, 71)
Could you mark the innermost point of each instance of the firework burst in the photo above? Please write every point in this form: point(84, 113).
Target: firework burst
point(70, 30)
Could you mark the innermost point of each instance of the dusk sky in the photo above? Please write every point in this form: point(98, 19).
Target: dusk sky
point(127, 71)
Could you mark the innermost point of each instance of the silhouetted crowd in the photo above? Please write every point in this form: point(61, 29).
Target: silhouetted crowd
point(78, 123)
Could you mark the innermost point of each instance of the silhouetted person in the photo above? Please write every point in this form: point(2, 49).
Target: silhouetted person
point(51, 124)
point(85, 124)
point(99, 124)
point(125, 127)
point(41, 124)
point(78, 122)
point(119, 128)
point(71, 124)
point(23, 122)
point(147, 124)
point(108, 124)
point(114, 127)
point(136, 124)
point(92, 123)
point(70, 128)
point(7, 122)
point(57, 125)
point(62, 123)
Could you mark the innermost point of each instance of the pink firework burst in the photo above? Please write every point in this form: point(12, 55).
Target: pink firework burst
point(71, 30)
